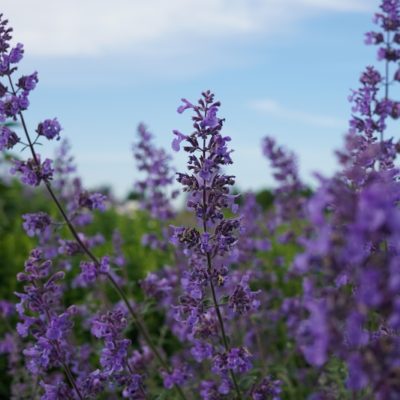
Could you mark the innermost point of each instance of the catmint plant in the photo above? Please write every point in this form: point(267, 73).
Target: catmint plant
point(298, 300)
point(14, 99)
point(201, 309)
point(351, 257)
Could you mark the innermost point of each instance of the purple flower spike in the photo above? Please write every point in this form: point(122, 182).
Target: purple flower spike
point(208, 248)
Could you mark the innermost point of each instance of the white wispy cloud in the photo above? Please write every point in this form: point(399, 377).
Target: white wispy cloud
point(273, 108)
point(341, 5)
point(99, 27)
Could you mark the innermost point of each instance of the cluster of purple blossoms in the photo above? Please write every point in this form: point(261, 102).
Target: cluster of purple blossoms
point(33, 172)
point(347, 272)
point(8, 138)
point(350, 259)
point(114, 356)
point(41, 317)
point(48, 350)
point(49, 128)
point(91, 271)
point(36, 224)
point(208, 248)
point(12, 101)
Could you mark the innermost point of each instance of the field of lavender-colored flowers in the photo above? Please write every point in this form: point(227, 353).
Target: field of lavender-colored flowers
point(231, 298)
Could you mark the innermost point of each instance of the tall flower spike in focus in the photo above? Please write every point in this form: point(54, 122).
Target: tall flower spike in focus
point(208, 245)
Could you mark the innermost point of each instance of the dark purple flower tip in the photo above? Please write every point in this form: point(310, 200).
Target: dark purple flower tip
point(36, 224)
point(50, 128)
point(180, 137)
point(186, 104)
point(8, 138)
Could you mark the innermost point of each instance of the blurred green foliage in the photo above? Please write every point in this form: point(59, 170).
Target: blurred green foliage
point(281, 361)
point(15, 245)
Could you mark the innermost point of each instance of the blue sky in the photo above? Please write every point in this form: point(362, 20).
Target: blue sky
point(280, 67)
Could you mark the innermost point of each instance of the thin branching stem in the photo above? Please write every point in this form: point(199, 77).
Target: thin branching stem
point(213, 293)
point(139, 324)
